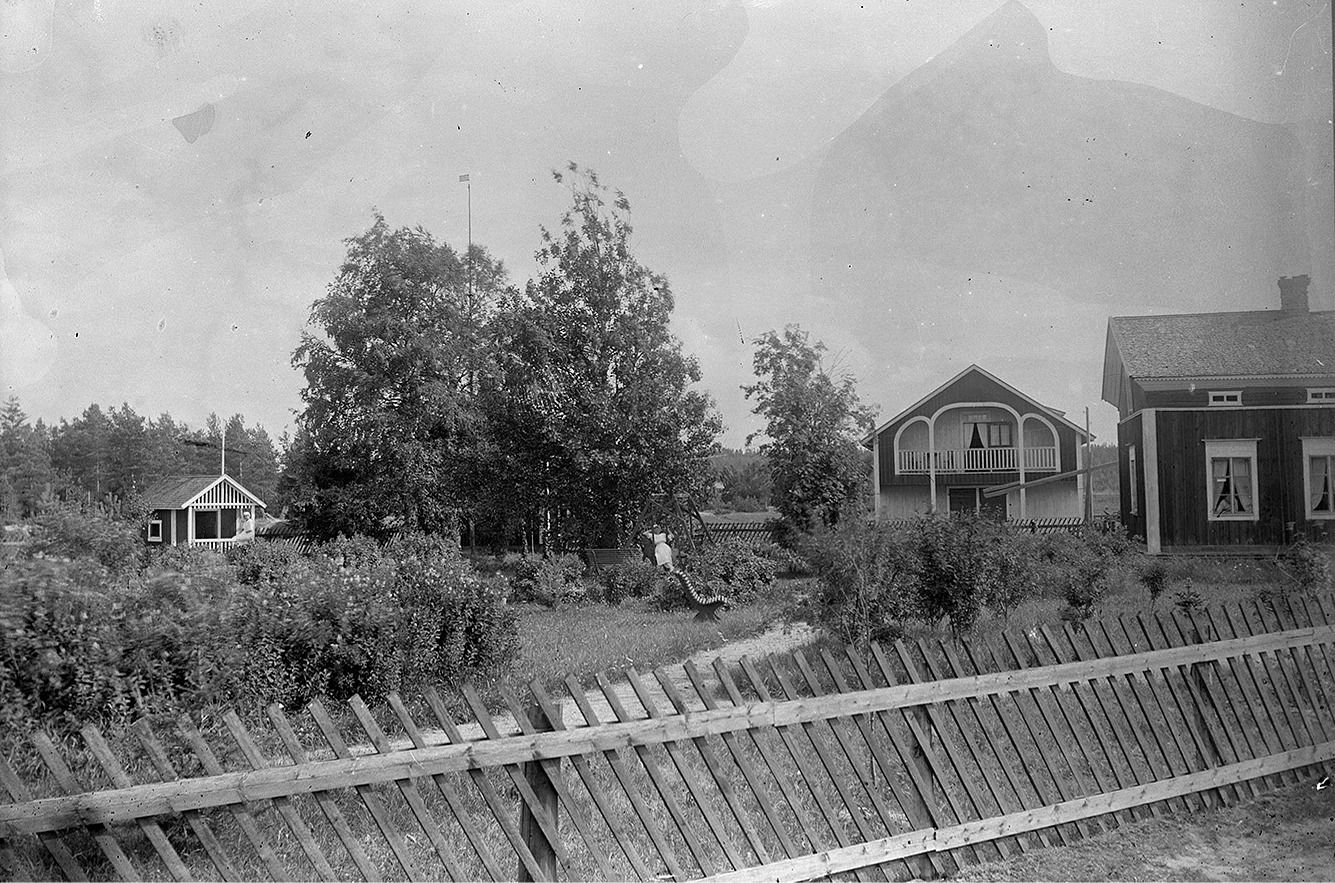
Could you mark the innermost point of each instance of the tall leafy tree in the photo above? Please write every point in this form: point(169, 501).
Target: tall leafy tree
point(389, 407)
point(25, 463)
point(813, 421)
point(597, 406)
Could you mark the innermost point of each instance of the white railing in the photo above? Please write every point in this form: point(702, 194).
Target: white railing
point(1042, 459)
point(213, 545)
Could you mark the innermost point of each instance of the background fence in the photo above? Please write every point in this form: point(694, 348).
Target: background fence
point(912, 758)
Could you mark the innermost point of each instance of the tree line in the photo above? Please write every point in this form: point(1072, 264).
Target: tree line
point(115, 453)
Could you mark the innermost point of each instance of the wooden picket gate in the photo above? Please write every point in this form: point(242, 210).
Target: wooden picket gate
point(912, 759)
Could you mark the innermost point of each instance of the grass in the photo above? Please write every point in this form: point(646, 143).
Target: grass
point(555, 642)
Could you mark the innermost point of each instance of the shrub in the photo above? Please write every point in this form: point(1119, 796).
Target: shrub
point(629, 580)
point(556, 579)
point(1188, 600)
point(866, 583)
point(74, 530)
point(1154, 577)
point(745, 572)
point(262, 561)
point(1308, 563)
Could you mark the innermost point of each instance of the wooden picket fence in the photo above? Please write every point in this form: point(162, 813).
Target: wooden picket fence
point(911, 759)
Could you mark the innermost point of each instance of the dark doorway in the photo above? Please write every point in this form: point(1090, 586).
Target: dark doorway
point(972, 501)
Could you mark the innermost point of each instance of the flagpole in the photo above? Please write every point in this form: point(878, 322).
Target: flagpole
point(467, 179)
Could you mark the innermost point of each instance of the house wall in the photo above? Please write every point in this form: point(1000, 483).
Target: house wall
point(1130, 432)
point(1267, 396)
point(1183, 492)
point(1059, 499)
point(905, 501)
point(182, 527)
point(972, 387)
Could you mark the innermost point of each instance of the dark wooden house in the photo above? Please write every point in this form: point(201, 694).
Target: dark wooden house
point(1226, 434)
point(973, 432)
point(212, 511)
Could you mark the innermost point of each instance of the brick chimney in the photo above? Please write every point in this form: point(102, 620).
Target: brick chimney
point(1293, 293)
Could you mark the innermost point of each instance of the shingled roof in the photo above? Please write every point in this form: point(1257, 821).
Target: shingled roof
point(1258, 343)
point(177, 491)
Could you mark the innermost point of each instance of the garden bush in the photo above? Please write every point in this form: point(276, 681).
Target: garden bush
point(745, 572)
point(80, 643)
point(629, 580)
point(555, 579)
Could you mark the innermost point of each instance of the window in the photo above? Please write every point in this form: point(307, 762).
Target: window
point(1319, 477)
point(1134, 470)
point(155, 530)
point(982, 434)
point(1226, 397)
point(206, 524)
point(1326, 394)
point(1231, 479)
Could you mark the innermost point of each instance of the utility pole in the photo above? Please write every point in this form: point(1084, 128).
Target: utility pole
point(1089, 476)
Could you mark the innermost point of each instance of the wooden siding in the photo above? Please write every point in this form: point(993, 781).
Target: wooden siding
point(182, 527)
point(1268, 396)
point(1183, 496)
point(1130, 432)
point(972, 387)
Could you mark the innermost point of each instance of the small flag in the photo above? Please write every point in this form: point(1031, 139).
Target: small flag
point(1323, 784)
point(463, 178)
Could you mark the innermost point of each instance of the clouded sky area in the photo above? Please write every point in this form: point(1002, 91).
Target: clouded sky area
point(176, 181)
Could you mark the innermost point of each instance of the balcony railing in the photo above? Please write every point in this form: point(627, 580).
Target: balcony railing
point(1041, 459)
point(215, 545)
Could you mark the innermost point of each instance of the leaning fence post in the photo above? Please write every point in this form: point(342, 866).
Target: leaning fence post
point(546, 792)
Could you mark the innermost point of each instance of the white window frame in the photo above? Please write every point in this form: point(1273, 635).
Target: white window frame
point(1312, 448)
point(152, 523)
point(1133, 468)
point(1231, 448)
point(1223, 398)
point(1317, 395)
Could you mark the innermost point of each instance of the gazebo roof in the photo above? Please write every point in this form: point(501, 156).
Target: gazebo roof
point(183, 491)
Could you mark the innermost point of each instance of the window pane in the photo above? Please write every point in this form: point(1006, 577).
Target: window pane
point(206, 525)
point(1242, 485)
point(1320, 483)
point(1222, 493)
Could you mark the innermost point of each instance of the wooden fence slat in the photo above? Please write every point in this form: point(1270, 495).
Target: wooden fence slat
point(1274, 696)
point(735, 750)
point(693, 845)
point(243, 817)
point(393, 837)
point(408, 788)
point(677, 755)
point(1159, 760)
point(548, 824)
point(925, 744)
point(19, 793)
point(1253, 731)
point(478, 777)
point(1049, 722)
point(1068, 693)
point(791, 796)
point(1114, 725)
point(757, 684)
point(1042, 838)
point(628, 786)
point(591, 784)
point(1219, 744)
point(1005, 847)
point(583, 825)
point(913, 803)
point(1063, 833)
point(1197, 678)
point(1317, 659)
point(68, 784)
point(838, 726)
point(92, 737)
point(284, 805)
point(1296, 680)
point(845, 859)
point(1201, 758)
point(1274, 737)
point(715, 767)
point(818, 745)
point(136, 801)
point(1321, 652)
point(157, 756)
point(448, 792)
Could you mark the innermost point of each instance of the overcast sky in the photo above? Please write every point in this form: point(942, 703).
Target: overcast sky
point(172, 265)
